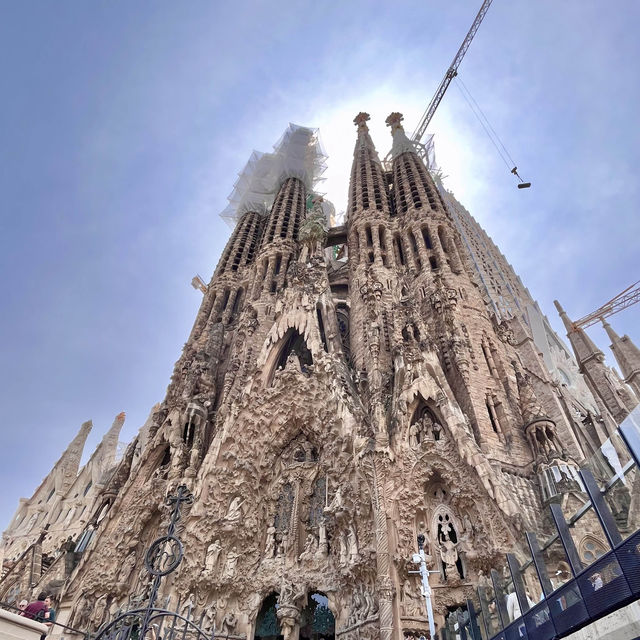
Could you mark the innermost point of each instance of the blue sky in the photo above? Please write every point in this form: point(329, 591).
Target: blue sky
point(124, 125)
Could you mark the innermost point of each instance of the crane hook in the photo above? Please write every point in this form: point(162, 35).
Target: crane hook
point(522, 184)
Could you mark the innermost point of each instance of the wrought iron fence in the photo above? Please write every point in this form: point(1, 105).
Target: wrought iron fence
point(153, 622)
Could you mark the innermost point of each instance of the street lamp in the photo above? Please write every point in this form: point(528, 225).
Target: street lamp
point(420, 558)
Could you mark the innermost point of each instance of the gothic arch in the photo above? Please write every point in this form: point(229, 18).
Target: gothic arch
point(446, 532)
point(290, 350)
point(316, 619)
point(425, 423)
point(267, 625)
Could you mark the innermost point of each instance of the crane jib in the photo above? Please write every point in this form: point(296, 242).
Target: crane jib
point(451, 74)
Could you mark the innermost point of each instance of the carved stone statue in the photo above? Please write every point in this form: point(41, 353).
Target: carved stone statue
point(336, 505)
point(409, 599)
point(127, 567)
point(229, 623)
point(323, 545)
point(310, 548)
point(82, 613)
point(187, 606)
point(230, 564)
point(213, 553)
point(270, 546)
point(234, 514)
point(449, 555)
point(98, 611)
point(344, 549)
point(413, 436)
point(209, 618)
point(353, 544)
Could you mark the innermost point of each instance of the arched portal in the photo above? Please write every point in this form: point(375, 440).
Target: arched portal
point(267, 625)
point(316, 619)
point(292, 347)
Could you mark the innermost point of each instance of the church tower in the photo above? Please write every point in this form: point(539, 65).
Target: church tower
point(342, 392)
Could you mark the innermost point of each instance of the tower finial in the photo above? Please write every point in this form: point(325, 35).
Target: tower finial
point(361, 121)
point(394, 121)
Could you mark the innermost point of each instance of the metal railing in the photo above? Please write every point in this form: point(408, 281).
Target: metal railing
point(504, 610)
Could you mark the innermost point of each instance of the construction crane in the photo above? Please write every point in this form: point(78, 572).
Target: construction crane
point(624, 300)
point(452, 72)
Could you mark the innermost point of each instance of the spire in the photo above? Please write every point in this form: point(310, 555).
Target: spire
point(367, 187)
point(401, 144)
point(616, 398)
point(627, 356)
point(67, 466)
point(584, 348)
point(364, 138)
point(106, 450)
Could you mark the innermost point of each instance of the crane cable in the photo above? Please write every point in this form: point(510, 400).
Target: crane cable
point(489, 130)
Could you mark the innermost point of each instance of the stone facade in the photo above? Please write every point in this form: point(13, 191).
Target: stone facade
point(342, 391)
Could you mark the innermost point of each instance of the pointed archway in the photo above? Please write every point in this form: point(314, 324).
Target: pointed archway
point(267, 625)
point(316, 619)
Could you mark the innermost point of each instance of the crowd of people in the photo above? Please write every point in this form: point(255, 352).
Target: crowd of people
point(40, 610)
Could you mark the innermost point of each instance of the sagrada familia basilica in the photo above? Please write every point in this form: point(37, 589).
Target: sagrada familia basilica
point(344, 389)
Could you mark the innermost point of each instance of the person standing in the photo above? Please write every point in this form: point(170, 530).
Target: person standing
point(50, 614)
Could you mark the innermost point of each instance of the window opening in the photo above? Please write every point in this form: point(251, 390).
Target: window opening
point(188, 433)
point(321, 327)
point(399, 253)
point(426, 238)
point(236, 303)
point(494, 424)
point(369, 236)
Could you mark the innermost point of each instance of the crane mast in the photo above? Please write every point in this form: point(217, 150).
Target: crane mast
point(452, 71)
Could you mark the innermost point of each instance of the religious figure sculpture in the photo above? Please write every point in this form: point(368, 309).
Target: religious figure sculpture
point(310, 548)
point(234, 514)
point(344, 549)
point(213, 553)
point(99, 611)
point(353, 544)
point(270, 547)
point(230, 564)
point(209, 618)
point(413, 436)
point(336, 505)
point(449, 555)
point(187, 606)
point(229, 623)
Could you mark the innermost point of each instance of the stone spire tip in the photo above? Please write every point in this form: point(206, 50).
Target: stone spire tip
point(394, 121)
point(361, 121)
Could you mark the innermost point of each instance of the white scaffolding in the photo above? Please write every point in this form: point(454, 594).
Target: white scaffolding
point(298, 154)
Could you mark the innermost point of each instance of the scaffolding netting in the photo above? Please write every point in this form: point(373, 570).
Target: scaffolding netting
point(298, 154)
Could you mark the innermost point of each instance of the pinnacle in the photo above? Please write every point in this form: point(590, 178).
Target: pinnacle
point(393, 120)
point(361, 121)
point(401, 143)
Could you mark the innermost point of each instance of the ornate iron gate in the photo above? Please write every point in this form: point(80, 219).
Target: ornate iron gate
point(153, 622)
